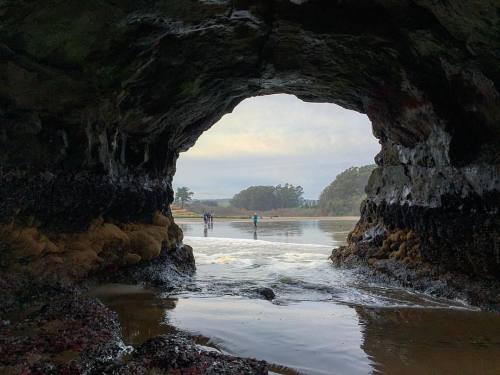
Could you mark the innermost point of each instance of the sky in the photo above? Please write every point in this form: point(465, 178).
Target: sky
point(275, 139)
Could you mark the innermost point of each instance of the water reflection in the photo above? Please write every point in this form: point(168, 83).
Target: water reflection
point(311, 337)
point(319, 338)
point(324, 232)
point(431, 341)
point(286, 230)
point(141, 313)
point(206, 228)
point(338, 230)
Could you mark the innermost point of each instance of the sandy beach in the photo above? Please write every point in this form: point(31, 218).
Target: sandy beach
point(189, 220)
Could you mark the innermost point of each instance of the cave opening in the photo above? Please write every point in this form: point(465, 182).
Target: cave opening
point(276, 139)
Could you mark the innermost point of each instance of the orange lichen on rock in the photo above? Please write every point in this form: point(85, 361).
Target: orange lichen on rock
point(70, 256)
point(161, 220)
point(106, 235)
point(130, 258)
point(145, 245)
point(403, 245)
point(399, 244)
point(25, 242)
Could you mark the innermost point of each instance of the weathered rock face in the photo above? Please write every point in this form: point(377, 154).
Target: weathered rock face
point(97, 99)
point(63, 258)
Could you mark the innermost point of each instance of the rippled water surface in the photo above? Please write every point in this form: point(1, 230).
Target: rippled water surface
point(322, 321)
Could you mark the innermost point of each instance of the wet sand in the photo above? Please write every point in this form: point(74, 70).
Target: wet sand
point(265, 219)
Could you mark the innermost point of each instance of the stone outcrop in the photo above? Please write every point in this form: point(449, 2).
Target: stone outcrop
point(97, 99)
point(67, 257)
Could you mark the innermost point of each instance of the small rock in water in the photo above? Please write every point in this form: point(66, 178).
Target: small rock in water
point(267, 293)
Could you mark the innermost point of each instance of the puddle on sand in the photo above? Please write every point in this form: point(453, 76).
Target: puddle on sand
point(141, 313)
point(357, 339)
point(415, 341)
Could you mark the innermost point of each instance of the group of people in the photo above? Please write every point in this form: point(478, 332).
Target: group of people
point(208, 218)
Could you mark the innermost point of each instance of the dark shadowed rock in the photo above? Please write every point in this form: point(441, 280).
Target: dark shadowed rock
point(178, 354)
point(267, 293)
point(57, 332)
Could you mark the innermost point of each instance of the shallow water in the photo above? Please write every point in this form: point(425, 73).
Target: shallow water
point(323, 320)
point(321, 232)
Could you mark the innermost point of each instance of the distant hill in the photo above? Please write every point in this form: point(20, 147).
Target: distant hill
point(345, 194)
point(218, 202)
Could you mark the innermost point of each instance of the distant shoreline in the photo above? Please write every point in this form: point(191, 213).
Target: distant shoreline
point(190, 220)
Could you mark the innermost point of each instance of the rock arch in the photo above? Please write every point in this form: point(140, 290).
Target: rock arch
point(98, 98)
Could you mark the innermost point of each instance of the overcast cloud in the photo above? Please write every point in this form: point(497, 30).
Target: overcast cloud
point(275, 139)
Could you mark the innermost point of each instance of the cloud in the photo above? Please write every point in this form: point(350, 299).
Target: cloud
point(276, 139)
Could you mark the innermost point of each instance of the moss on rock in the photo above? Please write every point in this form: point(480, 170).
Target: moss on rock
point(68, 257)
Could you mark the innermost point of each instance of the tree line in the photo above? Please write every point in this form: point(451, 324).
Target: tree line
point(345, 194)
point(342, 197)
point(265, 198)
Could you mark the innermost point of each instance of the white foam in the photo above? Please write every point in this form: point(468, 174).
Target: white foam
point(296, 272)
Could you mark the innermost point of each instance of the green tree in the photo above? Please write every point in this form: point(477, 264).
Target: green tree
point(255, 198)
point(183, 195)
point(269, 197)
point(345, 194)
point(289, 196)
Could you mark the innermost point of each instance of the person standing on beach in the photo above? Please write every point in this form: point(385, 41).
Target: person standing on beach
point(255, 217)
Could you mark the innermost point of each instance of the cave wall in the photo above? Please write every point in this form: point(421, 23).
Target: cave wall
point(98, 97)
